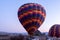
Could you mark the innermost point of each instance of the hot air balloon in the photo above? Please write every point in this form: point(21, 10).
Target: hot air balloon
point(31, 16)
point(54, 31)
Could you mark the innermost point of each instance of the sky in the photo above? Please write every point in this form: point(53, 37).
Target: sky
point(9, 19)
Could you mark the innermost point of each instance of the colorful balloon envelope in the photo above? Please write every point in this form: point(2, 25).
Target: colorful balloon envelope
point(31, 16)
point(54, 31)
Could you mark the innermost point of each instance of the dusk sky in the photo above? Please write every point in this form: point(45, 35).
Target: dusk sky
point(9, 19)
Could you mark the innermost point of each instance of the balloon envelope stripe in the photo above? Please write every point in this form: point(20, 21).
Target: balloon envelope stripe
point(32, 27)
point(31, 30)
point(31, 8)
point(57, 31)
point(30, 20)
point(31, 12)
point(32, 16)
point(32, 24)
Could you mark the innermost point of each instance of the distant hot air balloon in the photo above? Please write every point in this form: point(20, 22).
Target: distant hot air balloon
point(31, 16)
point(54, 31)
